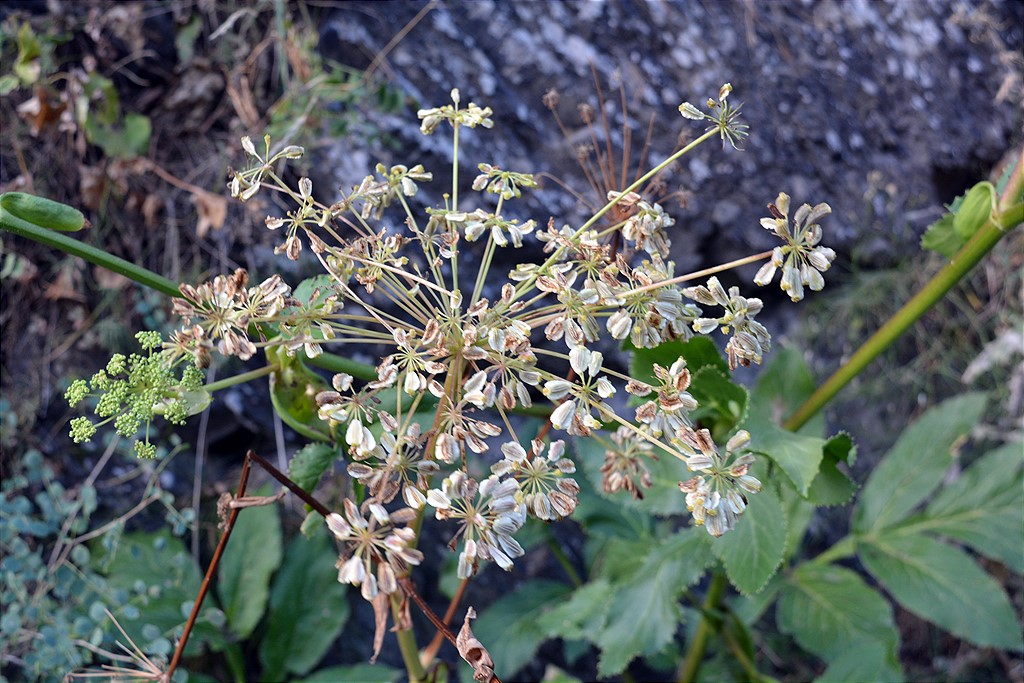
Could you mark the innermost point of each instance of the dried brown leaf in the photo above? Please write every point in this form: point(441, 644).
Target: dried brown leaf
point(213, 211)
point(380, 617)
point(473, 651)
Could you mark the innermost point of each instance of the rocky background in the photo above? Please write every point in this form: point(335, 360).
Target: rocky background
point(885, 109)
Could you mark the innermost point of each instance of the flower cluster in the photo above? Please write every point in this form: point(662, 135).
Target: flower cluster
point(462, 348)
point(716, 498)
point(132, 389)
point(373, 539)
point(801, 258)
point(723, 117)
point(750, 339)
point(487, 514)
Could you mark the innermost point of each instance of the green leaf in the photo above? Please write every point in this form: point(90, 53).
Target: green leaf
point(363, 673)
point(720, 399)
point(975, 210)
point(305, 289)
point(293, 388)
point(941, 238)
point(828, 609)
point(699, 352)
point(308, 608)
point(309, 464)
point(784, 384)
point(169, 579)
point(644, 612)
point(799, 512)
point(983, 507)
point(915, 465)
point(942, 584)
point(508, 627)
point(864, 661)
point(749, 608)
point(582, 615)
point(832, 486)
point(252, 556)
point(752, 552)
point(797, 455)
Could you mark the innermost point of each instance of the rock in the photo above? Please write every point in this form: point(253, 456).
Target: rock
point(831, 90)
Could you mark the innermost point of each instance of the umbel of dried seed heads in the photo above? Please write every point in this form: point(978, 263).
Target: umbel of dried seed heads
point(477, 345)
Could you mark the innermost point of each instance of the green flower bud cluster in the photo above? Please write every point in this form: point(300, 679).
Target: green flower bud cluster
point(130, 390)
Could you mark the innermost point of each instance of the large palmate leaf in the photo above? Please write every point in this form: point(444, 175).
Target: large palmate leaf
point(915, 465)
point(983, 507)
point(644, 613)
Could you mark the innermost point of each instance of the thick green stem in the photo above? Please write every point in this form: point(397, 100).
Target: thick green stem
point(240, 379)
point(89, 253)
point(148, 278)
point(407, 646)
point(329, 361)
point(968, 257)
point(695, 652)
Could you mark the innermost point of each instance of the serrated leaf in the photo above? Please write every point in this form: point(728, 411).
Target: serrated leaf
point(915, 465)
point(975, 210)
point(582, 615)
point(828, 609)
point(799, 513)
point(308, 608)
point(832, 486)
point(863, 662)
point(508, 627)
point(752, 551)
point(699, 352)
point(983, 508)
point(309, 464)
point(720, 399)
point(305, 289)
point(749, 608)
point(942, 584)
point(797, 455)
point(644, 612)
point(941, 238)
point(252, 556)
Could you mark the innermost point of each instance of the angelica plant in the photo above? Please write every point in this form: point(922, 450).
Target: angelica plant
point(408, 288)
point(470, 347)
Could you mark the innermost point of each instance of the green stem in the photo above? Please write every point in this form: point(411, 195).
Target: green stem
point(563, 560)
point(329, 361)
point(695, 652)
point(69, 245)
point(240, 379)
point(407, 646)
point(847, 547)
point(148, 278)
point(750, 671)
point(969, 255)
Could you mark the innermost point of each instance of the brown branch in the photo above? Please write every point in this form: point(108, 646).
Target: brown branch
point(243, 481)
